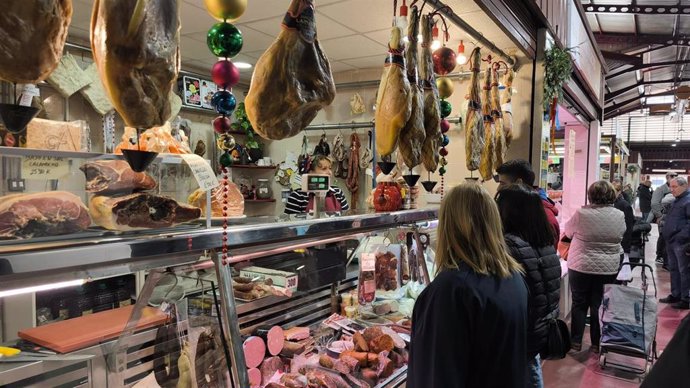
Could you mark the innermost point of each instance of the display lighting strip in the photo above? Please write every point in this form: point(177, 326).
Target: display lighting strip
point(43, 287)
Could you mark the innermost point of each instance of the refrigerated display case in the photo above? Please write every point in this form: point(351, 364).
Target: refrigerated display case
point(318, 252)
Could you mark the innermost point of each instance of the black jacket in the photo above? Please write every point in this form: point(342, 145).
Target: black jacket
point(543, 276)
point(644, 193)
point(624, 206)
point(469, 331)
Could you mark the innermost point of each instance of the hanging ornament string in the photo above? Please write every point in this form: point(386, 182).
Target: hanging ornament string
point(225, 41)
point(444, 62)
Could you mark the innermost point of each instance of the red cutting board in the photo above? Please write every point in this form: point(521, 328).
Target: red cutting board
point(78, 333)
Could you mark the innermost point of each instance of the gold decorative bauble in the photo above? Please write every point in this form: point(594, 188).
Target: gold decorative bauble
point(226, 9)
point(445, 87)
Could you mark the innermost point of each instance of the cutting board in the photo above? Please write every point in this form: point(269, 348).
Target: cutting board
point(78, 333)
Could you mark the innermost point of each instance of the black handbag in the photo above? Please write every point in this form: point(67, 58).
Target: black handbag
point(557, 341)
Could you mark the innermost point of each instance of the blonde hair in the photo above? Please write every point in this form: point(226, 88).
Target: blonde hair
point(470, 232)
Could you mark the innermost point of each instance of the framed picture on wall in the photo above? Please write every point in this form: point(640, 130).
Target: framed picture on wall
point(208, 88)
point(191, 89)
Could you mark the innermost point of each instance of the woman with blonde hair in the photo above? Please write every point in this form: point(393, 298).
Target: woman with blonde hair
point(469, 326)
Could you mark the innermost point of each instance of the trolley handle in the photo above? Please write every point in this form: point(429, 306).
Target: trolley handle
point(644, 276)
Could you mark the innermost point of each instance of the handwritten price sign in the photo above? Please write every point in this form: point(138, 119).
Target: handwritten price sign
point(44, 167)
point(202, 171)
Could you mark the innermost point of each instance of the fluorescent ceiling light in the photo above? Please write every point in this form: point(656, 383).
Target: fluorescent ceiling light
point(673, 145)
point(243, 65)
point(44, 287)
point(656, 100)
point(665, 170)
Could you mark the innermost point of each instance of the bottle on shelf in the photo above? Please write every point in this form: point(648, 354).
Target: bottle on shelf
point(83, 304)
point(123, 297)
point(104, 298)
point(263, 189)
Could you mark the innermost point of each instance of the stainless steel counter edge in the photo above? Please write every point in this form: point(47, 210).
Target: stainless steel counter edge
point(33, 264)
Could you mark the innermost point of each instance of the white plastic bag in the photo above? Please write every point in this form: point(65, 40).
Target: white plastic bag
point(625, 273)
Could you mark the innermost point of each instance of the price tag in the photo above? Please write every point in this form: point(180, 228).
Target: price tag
point(44, 167)
point(28, 94)
point(368, 262)
point(202, 171)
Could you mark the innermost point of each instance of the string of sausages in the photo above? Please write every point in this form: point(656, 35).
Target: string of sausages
point(353, 170)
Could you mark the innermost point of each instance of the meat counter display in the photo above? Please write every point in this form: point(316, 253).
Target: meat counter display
point(288, 297)
point(50, 195)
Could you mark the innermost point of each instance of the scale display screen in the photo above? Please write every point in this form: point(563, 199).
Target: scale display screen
point(316, 183)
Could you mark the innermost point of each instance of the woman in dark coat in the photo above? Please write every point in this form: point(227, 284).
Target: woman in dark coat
point(469, 326)
point(530, 241)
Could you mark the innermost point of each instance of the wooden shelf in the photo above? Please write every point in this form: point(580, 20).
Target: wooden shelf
point(259, 200)
point(254, 167)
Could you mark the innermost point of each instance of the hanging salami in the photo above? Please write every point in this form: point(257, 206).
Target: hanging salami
point(353, 168)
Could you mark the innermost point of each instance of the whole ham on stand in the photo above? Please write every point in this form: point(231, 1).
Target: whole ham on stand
point(292, 80)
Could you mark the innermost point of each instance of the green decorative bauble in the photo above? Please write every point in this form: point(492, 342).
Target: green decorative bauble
point(442, 170)
point(226, 159)
point(224, 40)
point(446, 108)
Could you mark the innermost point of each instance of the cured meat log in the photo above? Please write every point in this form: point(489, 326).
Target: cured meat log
point(394, 97)
point(413, 134)
point(474, 125)
point(296, 333)
point(114, 176)
point(139, 211)
point(486, 166)
point(269, 367)
point(432, 109)
point(508, 106)
point(42, 214)
point(497, 115)
point(32, 36)
point(292, 80)
point(136, 50)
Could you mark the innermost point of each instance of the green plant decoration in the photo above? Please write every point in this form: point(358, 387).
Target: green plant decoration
point(633, 168)
point(242, 124)
point(558, 66)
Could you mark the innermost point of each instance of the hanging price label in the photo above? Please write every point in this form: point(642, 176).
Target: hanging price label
point(202, 171)
point(44, 167)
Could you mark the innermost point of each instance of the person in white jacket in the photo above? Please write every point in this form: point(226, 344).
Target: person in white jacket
point(596, 231)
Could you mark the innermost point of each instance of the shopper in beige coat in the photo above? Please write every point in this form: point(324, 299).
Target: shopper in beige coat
point(596, 231)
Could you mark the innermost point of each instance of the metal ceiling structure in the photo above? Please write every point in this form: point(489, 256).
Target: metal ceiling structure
point(646, 44)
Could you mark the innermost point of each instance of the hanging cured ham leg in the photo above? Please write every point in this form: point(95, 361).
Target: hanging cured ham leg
point(432, 110)
point(497, 115)
point(32, 36)
point(393, 101)
point(486, 166)
point(136, 50)
point(413, 134)
point(292, 80)
point(474, 138)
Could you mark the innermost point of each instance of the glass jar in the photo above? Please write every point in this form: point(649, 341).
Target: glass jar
point(263, 189)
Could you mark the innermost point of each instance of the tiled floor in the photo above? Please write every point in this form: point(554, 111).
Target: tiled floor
point(581, 370)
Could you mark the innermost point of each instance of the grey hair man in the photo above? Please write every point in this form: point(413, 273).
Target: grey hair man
point(676, 232)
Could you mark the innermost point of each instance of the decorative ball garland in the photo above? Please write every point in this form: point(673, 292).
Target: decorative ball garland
point(225, 41)
point(444, 62)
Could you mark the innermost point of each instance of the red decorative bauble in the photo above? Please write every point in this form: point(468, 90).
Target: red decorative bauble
point(225, 74)
point(387, 197)
point(443, 151)
point(445, 126)
point(221, 124)
point(444, 61)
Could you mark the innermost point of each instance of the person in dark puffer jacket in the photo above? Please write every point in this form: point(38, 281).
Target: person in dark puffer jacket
point(529, 239)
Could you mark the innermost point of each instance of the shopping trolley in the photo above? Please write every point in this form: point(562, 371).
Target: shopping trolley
point(628, 317)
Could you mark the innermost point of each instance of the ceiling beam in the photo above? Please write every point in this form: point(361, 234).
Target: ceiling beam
point(641, 39)
point(619, 105)
point(632, 9)
point(623, 58)
point(648, 65)
point(611, 115)
point(610, 96)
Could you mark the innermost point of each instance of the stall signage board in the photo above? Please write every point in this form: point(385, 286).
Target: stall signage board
point(44, 167)
point(313, 183)
point(202, 171)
